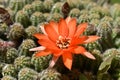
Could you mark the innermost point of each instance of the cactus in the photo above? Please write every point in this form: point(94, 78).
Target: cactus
point(94, 16)
point(116, 75)
point(25, 46)
point(74, 13)
point(28, 9)
point(57, 8)
point(28, 1)
point(91, 5)
point(27, 74)
point(23, 18)
point(1, 67)
point(116, 22)
point(104, 30)
point(46, 15)
point(55, 17)
point(16, 5)
point(37, 18)
point(49, 74)
point(8, 78)
point(40, 63)
point(10, 70)
point(30, 31)
point(11, 54)
point(95, 22)
point(83, 18)
point(3, 30)
point(37, 6)
point(16, 32)
point(22, 62)
point(48, 5)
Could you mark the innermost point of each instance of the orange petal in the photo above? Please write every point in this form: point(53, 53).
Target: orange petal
point(67, 60)
point(43, 53)
point(62, 28)
point(52, 34)
point(92, 39)
point(54, 25)
point(89, 55)
point(48, 44)
point(80, 29)
point(80, 40)
point(72, 27)
point(40, 36)
point(43, 30)
point(53, 61)
point(38, 48)
point(79, 50)
point(68, 19)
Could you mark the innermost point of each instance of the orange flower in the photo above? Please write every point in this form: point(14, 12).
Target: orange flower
point(63, 39)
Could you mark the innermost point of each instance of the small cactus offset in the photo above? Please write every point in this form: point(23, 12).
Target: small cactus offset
point(11, 54)
point(30, 31)
point(25, 46)
point(23, 18)
point(40, 63)
point(10, 70)
point(16, 32)
point(49, 74)
point(27, 74)
point(3, 29)
point(37, 18)
point(104, 30)
point(37, 5)
point(75, 12)
point(8, 78)
point(22, 62)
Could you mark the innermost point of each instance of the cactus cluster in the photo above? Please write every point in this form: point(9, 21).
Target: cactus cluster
point(29, 17)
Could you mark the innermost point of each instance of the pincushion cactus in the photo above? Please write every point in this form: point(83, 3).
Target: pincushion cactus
point(27, 74)
point(11, 54)
point(83, 18)
point(74, 13)
point(22, 62)
point(8, 78)
point(10, 70)
point(49, 74)
point(16, 32)
point(40, 63)
point(23, 18)
point(1, 67)
point(3, 30)
point(37, 18)
point(25, 46)
point(55, 17)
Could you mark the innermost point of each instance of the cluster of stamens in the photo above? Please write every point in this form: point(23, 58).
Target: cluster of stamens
point(63, 43)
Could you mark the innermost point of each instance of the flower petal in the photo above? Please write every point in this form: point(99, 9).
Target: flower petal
point(89, 55)
point(80, 29)
point(54, 25)
point(53, 61)
point(40, 36)
point(67, 60)
point(62, 28)
point(68, 19)
point(79, 50)
point(92, 39)
point(52, 34)
point(43, 53)
point(43, 30)
point(38, 48)
point(72, 27)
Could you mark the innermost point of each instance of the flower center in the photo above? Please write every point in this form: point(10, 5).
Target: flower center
point(62, 42)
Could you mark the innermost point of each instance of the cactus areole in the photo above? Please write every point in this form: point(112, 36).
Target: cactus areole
point(63, 39)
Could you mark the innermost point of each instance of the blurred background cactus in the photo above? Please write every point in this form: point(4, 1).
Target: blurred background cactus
point(23, 19)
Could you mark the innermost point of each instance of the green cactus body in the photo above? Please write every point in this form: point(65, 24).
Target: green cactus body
point(16, 32)
point(91, 5)
point(10, 70)
point(95, 22)
point(28, 9)
point(48, 5)
point(11, 54)
point(49, 74)
point(8, 78)
point(28, 1)
point(1, 67)
point(37, 18)
point(40, 63)
point(25, 46)
point(16, 5)
point(83, 18)
point(3, 29)
point(74, 13)
point(116, 74)
point(115, 10)
point(94, 16)
point(37, 6)
point(22, 62)
point(55, 17)
point(116, 22)
point(27, 74)
point(57, 8)
point(30, 31)
point(104, 30)
point(23, 18)
point(46, 15)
